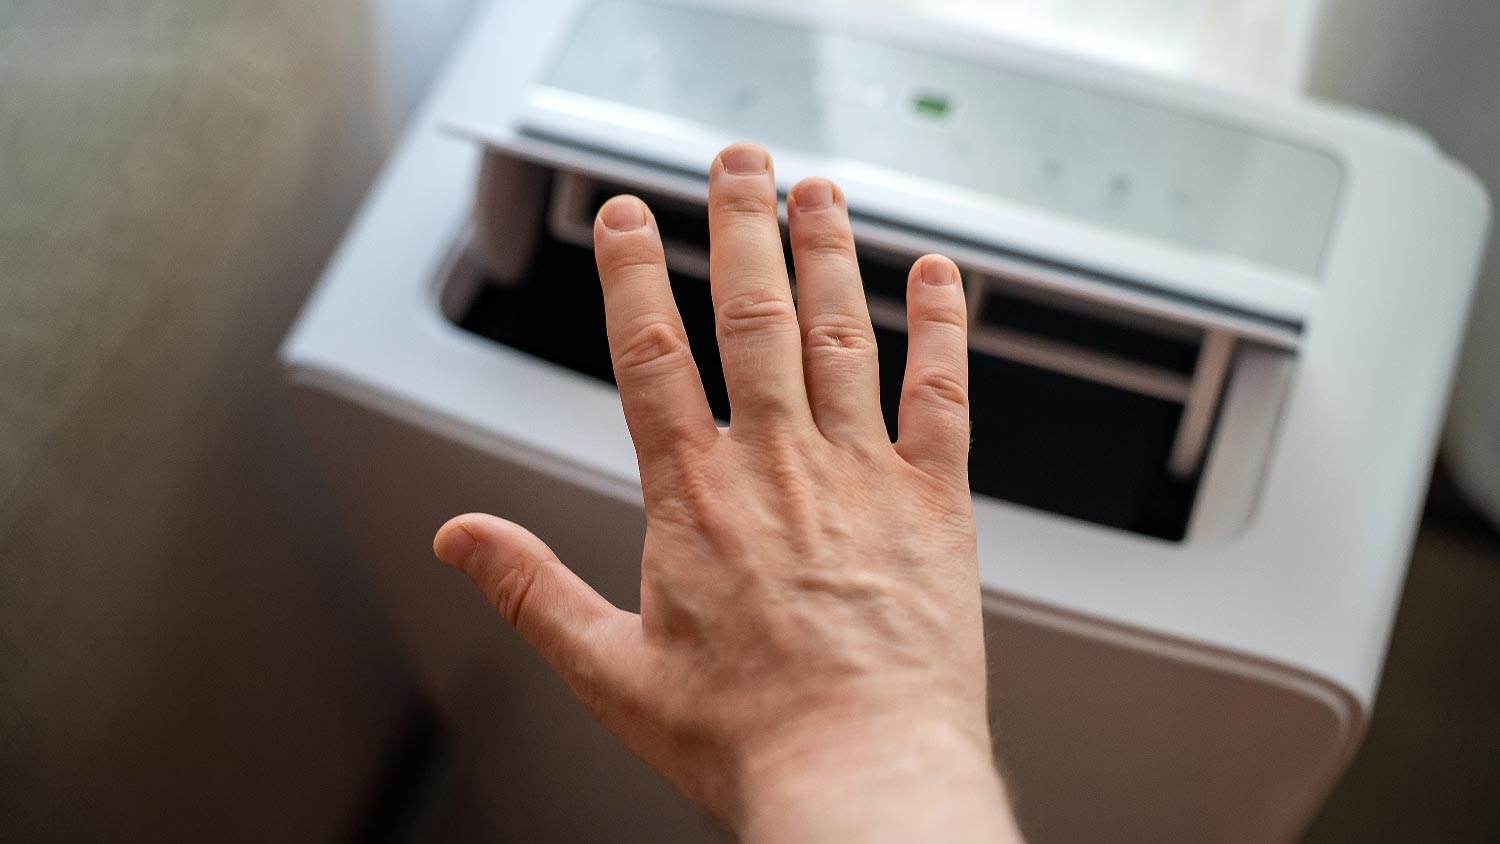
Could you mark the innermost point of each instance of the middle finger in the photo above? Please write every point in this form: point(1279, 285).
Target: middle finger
point(756, 320)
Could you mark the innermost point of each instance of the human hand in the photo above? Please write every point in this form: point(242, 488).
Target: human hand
point(808, 658)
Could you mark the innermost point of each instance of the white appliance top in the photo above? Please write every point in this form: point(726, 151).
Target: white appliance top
point(1172, 189)
point(972, 124)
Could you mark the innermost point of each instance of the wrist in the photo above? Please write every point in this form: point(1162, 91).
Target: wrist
point(872, 780)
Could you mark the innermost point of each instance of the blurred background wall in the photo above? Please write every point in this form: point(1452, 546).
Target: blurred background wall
point(186, 650)
point(1437, 65)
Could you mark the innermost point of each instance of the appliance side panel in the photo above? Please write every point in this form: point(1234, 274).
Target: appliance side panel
point(550, 771)
point(1211, 754)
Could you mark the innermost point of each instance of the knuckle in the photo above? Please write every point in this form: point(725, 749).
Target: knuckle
point(651, 347)
point(698, 496)
point(751, 204)
point(825, 240)
point(509, 592)
point(756, 311)
point(935, 383)
point(699, 501)
point(781, 459)
point(628, 257)
point(838, 332)
point(943, 318)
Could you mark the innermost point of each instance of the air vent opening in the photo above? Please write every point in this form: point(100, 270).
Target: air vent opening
point(1076, 410)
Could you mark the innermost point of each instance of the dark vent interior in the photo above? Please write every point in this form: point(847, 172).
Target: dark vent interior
point(1042, 439)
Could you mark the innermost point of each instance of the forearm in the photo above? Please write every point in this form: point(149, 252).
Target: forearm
point(870, 786)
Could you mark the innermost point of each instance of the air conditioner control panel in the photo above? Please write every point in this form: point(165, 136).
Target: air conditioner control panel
point(971, 126)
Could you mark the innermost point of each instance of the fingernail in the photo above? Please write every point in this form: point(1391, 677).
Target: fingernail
point(623, 214)
point(810, 196)
point(454, 545)
point(745, 159)
point(938, 271)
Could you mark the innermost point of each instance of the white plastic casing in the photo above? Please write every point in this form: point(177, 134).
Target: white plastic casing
point(1208, 690)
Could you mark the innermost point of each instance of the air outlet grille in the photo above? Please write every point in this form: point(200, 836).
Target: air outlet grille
point(1140, 353)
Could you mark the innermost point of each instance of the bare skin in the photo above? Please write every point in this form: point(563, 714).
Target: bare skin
point(808, 662)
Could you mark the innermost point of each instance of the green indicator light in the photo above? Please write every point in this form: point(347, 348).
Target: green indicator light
point(932, 105)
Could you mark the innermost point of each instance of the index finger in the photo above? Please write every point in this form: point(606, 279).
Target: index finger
point(659, 385)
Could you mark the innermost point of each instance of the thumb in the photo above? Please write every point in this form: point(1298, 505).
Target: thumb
point(562, 617)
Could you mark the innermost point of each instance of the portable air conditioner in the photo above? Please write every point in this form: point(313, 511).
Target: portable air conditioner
point(1212, 336)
